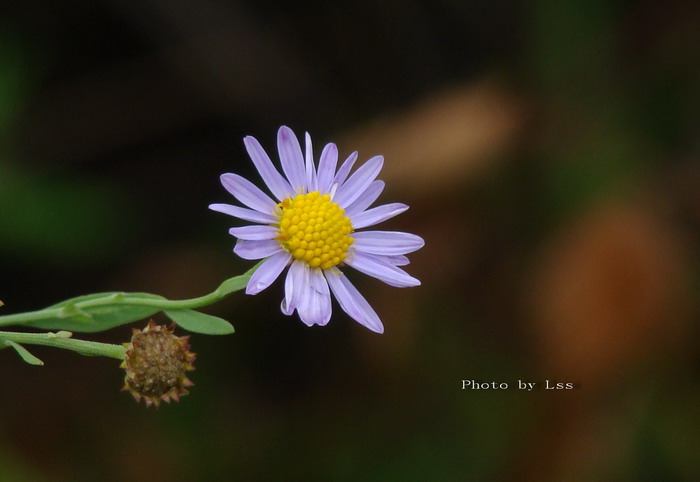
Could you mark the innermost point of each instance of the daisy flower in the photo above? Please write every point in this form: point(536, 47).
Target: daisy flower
point(311, 227)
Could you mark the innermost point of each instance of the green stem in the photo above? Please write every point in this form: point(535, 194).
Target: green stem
point(124, 299)
point(63, 339)
point(121, 299)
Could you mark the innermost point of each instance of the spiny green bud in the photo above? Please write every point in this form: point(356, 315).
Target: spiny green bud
point(156, 362)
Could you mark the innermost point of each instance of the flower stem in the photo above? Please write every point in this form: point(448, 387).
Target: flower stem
point(106, 301)
point(63, 339)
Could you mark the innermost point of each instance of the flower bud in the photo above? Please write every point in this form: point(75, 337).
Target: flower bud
point(156, 362)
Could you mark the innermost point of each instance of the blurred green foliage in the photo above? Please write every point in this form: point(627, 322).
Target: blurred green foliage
point(47, 217)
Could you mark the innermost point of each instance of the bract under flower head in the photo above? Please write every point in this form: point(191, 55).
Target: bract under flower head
point(311, 226)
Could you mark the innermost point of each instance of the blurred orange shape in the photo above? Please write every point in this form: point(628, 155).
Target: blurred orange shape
point(609, 294)
point(440, 141)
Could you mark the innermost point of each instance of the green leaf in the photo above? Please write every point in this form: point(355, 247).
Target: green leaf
point(90, 297)
point(197, 322)
point(232, 285)
point(113, 312)
point(26, 356)
point(236, 283)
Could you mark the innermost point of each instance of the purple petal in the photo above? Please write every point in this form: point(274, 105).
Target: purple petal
point(244, 213)
point(278, 185)
point(377, 215)
point(267, 273)
point(300, 283)
point(344, 170)
point(387, 243)
point(256, 249)
point(352, 302)
point(292, 287)
point(358, 182)
point(314, 306)
point(310, 167)
point(381, 269)
point(366, 198)
point(247, 193)
point(285, 306)
point(254, 233)
point(397, 260)
point(291, 157)
point(326, 167)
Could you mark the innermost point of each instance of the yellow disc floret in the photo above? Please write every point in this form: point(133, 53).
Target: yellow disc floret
point(314, 229)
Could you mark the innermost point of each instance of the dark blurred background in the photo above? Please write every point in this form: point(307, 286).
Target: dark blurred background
point(548, 150)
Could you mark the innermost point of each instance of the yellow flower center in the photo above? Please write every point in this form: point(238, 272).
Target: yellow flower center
point(314, 229)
